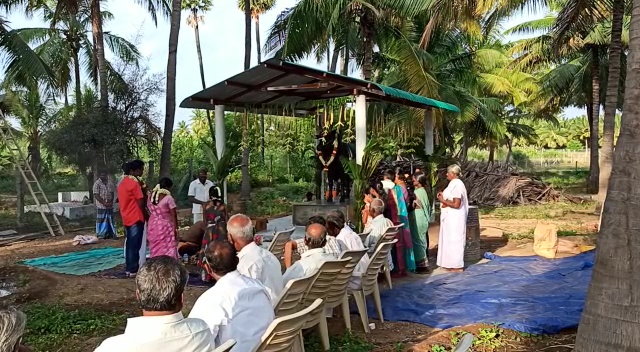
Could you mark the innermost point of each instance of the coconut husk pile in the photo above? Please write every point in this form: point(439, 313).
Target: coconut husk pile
point(498, 184)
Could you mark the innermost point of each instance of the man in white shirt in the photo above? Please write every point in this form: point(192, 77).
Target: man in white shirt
point(348, 240)
point(199, 194)
point(377, 228)
point(312, 259)
point(160, 285)
point(332, 247)
point(237, 307)
point(254, 261)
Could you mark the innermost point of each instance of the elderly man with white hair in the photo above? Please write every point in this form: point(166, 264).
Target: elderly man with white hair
point(377, 227)
point(12, 324)
point(254, 261)
point(454, 206)
point(311, 260)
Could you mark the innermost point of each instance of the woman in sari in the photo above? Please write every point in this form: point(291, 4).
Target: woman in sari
point(163, 223)
point(397, 203)
point(215, 218)
point(453, 222)
point(419, 220)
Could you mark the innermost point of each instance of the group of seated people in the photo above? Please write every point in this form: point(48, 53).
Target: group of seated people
point(249, 282)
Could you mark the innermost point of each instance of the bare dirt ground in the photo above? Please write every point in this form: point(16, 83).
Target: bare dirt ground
point(118, 295)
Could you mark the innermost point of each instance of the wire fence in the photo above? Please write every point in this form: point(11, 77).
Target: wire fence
point(533, 159)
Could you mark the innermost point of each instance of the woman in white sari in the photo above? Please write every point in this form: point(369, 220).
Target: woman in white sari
point(453, 222)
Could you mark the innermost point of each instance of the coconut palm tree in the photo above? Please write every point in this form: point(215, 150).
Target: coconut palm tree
point(259, 7)
point(195, 7)
point(66, 45)
point(609, 321)
point(170, 106)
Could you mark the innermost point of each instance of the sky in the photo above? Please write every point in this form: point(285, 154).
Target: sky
point(221, 38)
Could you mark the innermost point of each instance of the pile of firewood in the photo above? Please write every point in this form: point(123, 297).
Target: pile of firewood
point(498, 184)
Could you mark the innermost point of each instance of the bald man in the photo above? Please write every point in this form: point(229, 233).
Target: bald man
point(311, 260)
point(237, 307)
point(254, 261)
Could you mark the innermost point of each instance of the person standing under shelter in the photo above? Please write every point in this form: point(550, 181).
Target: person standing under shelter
point(133, 212)
point(453, 222)
point(254, 261)
point(162, 327)
point(419, 220)
point(237, 307)
point(103, 195)
point(199, 194)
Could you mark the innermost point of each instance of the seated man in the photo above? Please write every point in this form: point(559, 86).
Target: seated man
point(191, 240)
point(377, 227)
point(332, 247)
point(237, 307)
point(311, 260)
point(160, 285)
point(254, 261)
point(348, 240)
point(12, 325)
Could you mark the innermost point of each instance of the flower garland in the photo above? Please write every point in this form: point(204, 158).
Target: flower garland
point(333, 156)
point(157, 191)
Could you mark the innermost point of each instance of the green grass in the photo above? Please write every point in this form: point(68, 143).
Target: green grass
point(572, 181)
point(538, 211)
point(338, 343)
point(561, 233)
point(50, 327)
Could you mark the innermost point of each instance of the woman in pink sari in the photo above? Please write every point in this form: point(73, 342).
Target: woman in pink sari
point(162, 231)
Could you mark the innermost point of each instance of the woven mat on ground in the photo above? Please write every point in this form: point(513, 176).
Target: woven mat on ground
point(118, 273)
point(79, 263)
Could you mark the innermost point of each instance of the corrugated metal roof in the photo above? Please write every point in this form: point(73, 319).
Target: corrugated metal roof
point(272, 84)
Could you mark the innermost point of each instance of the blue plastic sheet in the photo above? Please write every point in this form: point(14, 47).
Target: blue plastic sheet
point(80, 263)
point(528, 294)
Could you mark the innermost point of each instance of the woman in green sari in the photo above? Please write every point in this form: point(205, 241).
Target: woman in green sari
point(419, 221)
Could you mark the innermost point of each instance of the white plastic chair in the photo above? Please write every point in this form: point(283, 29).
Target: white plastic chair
point(279, 240)
point(388, 236)
point(321, 288)
point(369, 284)
point(291, 297)
point(284, 331)
point(226, 347)
point(356, 256)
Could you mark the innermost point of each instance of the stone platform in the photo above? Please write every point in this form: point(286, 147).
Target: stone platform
point(77, 196)
point(303, 211)
point(70, 210)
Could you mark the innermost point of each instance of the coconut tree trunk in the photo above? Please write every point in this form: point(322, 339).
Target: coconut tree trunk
point(34, 149)
point(610, 319)
point(509, 151)
point(334, 60)
point(367, 37)
point(594, 167)
point(345, 58)
point(258, 44)
point(245, 187)
point(196, 30)
point(611, 102)
point(170, 107)
point(96, 28)
point(76, 72)
point(259, 53)
point(492, 152)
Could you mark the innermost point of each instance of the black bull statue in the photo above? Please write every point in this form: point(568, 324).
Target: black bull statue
point(330, 149)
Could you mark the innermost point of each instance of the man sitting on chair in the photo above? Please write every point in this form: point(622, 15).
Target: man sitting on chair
point(237, 307)
point(332, 247)
point(311, 260)
point(160, 285)
point(377, 227)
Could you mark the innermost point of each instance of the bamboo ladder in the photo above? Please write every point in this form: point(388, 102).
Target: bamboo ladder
point(33, 185)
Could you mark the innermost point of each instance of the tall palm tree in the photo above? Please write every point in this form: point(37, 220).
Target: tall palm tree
point(258, 7)
point(609, 320)
point(66, 43)
point(245, 186)
point(170, 106)
point(195, 7)
point(611, 102)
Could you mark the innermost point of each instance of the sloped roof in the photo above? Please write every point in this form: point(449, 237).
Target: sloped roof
point(276, 83)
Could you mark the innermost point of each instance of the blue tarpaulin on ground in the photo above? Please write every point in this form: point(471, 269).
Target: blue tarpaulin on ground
point(528, 294)
point(80, 263)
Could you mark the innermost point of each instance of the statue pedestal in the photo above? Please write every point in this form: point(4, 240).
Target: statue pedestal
point(303, 211)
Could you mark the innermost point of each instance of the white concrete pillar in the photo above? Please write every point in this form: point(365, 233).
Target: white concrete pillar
point(428, 131)
point(361, 127)
point(221, 140)
point(221, 137)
